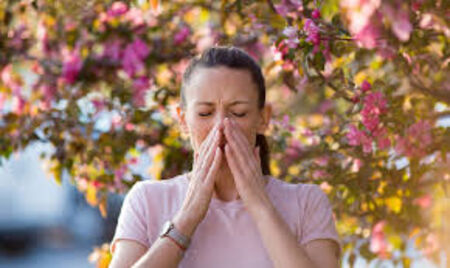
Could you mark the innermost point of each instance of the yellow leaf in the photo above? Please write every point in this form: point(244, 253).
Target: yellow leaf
point(294, 170)
point(274, 168)
point(91, 195)
point(394, 204)
point(102, 207)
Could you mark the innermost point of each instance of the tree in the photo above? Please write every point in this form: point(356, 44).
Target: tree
point(360, 88)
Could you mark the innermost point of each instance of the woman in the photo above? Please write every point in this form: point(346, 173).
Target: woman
point(227, 211)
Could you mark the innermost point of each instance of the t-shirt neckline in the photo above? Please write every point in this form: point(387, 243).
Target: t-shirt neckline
point(229, 204)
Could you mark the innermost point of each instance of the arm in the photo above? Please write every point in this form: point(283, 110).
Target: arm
point(163, 252)
point(282, 245)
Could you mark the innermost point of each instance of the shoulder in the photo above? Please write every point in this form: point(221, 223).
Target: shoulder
point(302, 190)
point(159, 195)
point(159, 186)
point(306, 195)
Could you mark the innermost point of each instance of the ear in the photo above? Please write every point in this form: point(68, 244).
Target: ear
point(181, 115)
point(266, 114)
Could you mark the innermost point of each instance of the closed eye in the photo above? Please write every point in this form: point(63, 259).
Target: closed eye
point(236, 114)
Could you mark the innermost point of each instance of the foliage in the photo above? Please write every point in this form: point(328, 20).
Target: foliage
point(360, 90)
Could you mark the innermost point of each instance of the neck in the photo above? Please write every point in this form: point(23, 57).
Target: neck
point(224, 187)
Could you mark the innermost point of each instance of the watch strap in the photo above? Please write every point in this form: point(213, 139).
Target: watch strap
point(176, 236)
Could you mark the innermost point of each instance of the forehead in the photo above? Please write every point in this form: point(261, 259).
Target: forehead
point(221, 84)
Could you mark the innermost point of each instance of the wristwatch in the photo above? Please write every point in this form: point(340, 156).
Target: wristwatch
point(170, 231)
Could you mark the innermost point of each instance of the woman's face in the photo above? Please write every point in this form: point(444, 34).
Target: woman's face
point(219, 92)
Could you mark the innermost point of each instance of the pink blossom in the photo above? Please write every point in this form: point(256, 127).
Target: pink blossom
point(315, 14)
point(365, 86)
point(129, 126)
point(48, 91)
point(134, 54)
point(42, 37)
point(357, 137)
point(322, 161)
point(356, 165)
point(8, 79)
point(291, 33)
point(364, 20)
point(355, 99)
point(287, 7)
point(18, 104)
point(359, 13)
point(2, 100)
point(319, 174)
point(117, 8)
point(72, 65)
point(383, 140)
point(279, 52)
point(325, 106)
point(378, 242)
point(141, 85)
point(182, 35)
point(285, 123)
point(375, 104)
point(112, 50)
point(140, 48)
point(417, 139)
point(423, 201)
point(116, 121)
point(98, 104)
point(312, 31)
point(399, 18)
point(368, 36)
point(16, 37)
point(431, 244)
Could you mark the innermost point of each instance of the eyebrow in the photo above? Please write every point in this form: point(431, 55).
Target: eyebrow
point(212, 104)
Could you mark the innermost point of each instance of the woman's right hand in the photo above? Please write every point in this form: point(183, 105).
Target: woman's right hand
point(207, 161)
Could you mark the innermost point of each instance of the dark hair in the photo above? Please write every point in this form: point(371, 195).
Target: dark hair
point(235, 58)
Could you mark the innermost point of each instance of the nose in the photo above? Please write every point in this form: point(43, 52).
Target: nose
point(219, 119)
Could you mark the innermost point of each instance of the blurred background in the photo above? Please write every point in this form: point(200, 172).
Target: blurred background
point(44, 224)
point(361, 107)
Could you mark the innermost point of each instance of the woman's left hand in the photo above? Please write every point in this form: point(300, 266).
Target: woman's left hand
point(245, 165)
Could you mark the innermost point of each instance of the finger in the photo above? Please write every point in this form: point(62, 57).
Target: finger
point(209, 157)
point(237, 149)
point(241, 142)
point(232, 163)
point(210, 178)
point(206, 143)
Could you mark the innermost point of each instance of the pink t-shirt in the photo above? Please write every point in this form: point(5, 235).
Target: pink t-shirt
point(227, 236)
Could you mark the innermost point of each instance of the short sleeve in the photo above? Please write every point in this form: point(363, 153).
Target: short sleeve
point(317, 219)
point(131, 223)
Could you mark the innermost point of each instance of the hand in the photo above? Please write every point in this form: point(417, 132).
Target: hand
point(207, 160)
point(245, 165)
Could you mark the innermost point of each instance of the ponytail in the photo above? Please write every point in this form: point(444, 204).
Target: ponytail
point(263, 153)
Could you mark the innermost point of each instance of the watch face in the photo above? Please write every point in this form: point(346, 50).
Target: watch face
point(165, 228)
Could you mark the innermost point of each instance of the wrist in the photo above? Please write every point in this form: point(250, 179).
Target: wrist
point(184, 224)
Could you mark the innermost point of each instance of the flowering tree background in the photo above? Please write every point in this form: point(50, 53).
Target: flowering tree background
point(361, 91)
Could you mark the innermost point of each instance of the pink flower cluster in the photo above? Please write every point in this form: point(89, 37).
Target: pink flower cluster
point(417, 139)
point(72, 64)
point(134, 16)
point(365, 19)
point(292, 35)
point(378, 242)
point(289, 8)
point(181, 35)
point(375, 105)
point(134, 56)
point(312, 32)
